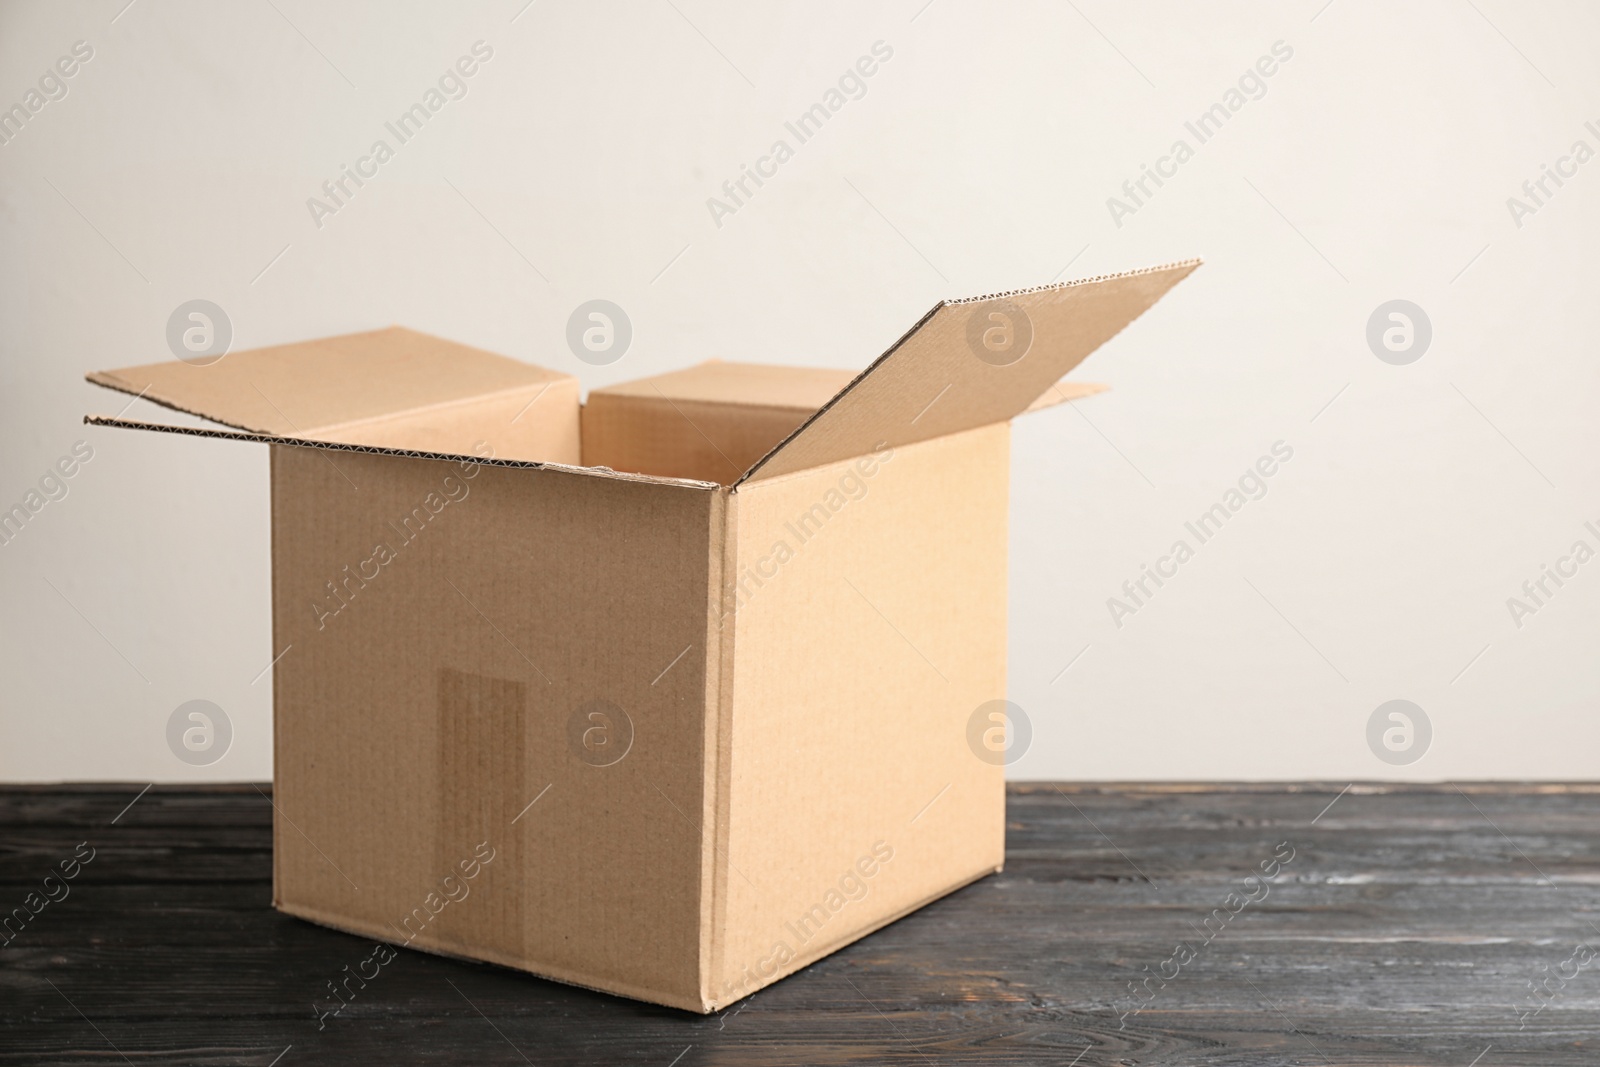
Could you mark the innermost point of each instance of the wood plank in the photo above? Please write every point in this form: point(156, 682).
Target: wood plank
point(1404, 931)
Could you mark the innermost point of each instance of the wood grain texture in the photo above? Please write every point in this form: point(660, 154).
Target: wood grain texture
point(1405, 930)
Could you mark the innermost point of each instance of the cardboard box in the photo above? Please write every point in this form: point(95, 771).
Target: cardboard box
point(672, 729)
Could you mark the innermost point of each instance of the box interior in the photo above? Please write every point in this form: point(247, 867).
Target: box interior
point(729, 424)
point(710, 422)
point(396, 389)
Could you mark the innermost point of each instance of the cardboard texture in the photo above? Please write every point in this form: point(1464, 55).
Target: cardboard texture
point(386, 388)
point(711, 421)
point(667, 694)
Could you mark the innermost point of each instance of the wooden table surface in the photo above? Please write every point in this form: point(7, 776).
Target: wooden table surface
point(1405, 925)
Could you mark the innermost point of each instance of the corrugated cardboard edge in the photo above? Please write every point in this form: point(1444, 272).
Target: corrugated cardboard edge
point(719, 723)
point(487, 955)
point(1191, 263)
point(374, 450)
point(798, 430)
point(273, 620)
point(858, 379)
point(110, 379)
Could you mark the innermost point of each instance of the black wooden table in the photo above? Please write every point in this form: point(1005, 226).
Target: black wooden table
point(1382, 925)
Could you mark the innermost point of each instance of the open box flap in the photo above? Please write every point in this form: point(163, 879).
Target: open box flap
point(312, 387)
point(970, 363)
point(378, 450)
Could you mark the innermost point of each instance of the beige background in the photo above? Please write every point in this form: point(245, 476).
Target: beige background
point(1376, 166)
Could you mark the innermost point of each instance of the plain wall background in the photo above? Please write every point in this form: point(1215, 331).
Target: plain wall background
point(1376, 166)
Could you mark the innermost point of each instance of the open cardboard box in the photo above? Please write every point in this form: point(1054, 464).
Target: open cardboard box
point(667, 694)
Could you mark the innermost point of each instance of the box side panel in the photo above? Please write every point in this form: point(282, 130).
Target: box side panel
point(870, 628)
point(490, 713)
point(718, 749)
point(719, 752)
point(753, 384)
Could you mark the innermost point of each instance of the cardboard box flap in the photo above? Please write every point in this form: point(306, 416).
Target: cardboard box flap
point(969, 363)
point(312, 387)
point(119, 422)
